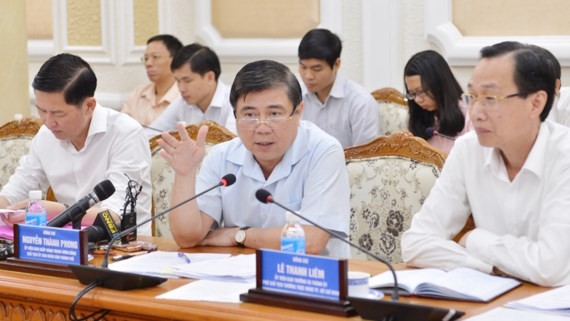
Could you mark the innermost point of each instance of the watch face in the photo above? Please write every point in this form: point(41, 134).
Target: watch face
point(240, 236)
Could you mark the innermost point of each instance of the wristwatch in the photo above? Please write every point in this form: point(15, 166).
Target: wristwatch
point(240, 236)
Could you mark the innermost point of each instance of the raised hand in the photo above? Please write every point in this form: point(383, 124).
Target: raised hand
point(184, 155)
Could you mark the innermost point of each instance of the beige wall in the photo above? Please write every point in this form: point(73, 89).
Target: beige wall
point(13, 61)
point(145, 20)
point(265, 19)
point(511, 17)
point(84, 23)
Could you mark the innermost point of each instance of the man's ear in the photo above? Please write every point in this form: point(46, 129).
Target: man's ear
point(336, 65)
point(299, 109)
point(210, 76)
point(538, 101)
point(90, 102)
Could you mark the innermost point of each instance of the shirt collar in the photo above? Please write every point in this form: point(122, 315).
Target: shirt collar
point(149, 92)
point(535, 160)
point(337, 90)
point(97, 125)
point(243, 157)
point(220, 96)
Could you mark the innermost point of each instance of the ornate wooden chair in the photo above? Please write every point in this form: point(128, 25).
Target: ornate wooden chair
point(393, 110)
point(15, 138)
point(390, 177)
point(162, 175)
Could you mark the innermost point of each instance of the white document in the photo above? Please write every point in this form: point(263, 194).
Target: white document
point(162, 263)
point(504, 314)
point(555, 301)
point(207, 290)
point(461, 284)
point(240, 268)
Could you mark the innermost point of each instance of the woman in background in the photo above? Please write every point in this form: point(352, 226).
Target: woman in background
point(436, 111)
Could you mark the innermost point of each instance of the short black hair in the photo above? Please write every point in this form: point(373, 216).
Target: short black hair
point(320, 44)
point(553, 62)
point(444, 89)
point(262, 75)
point(201, 60)
point(533, 70)
point(171, 43)
point(67, 74)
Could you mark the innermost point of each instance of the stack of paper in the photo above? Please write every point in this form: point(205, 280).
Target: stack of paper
point(555, 301)
point(239, 268)
point(504, 314)
point(162, 263)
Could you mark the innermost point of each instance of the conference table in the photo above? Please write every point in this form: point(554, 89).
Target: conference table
point(26, 296)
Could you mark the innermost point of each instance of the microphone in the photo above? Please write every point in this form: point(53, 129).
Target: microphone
point(75, 212)
point(118, 280)
point(103, 228)
point(383, 310)
point(430, 132)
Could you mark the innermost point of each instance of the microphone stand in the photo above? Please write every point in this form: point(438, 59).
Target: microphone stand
point(392, 310)
point(129, 230)
point(119, 280)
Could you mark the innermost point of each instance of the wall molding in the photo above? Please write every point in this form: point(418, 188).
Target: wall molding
point(241, 50)
point(464, 50)
point(382, 61)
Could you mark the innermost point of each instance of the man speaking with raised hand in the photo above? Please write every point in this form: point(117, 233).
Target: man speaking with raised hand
point(297, 162)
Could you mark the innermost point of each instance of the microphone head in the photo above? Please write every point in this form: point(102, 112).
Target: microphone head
point(263, 196)
point(430, 132)
point(104, 190)
point(228, 180)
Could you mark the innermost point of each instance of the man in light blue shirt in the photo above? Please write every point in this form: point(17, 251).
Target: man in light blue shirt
point(203, 96)
point(302, 166)
point(337, 105)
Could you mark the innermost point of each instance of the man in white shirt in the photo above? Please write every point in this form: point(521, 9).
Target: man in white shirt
point(203, 96)
point(146, 102)
point(79, 145)
point(512, 173)
point(297, 162)
point(339, 106)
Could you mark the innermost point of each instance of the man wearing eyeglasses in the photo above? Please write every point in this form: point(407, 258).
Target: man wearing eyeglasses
point(301, 165)
point(203, 96)
point(146, 102)
point(512, 173)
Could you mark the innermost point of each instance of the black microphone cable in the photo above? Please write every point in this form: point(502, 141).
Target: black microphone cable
point(97, 315)
point(129, 218)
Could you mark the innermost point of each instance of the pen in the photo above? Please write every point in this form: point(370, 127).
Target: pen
point(127, 256)
point(184, 257)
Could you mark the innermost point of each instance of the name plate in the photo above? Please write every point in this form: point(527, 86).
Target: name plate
point(50, 244)
point(303, 275)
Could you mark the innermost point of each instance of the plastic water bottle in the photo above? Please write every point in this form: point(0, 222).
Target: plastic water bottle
point(292, 235)
point(35, 212)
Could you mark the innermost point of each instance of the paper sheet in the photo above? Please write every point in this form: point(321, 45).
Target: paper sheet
point(556, 301)
point(240, 268)
point(162, 263)
point(206, 290)
point(504, 314)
